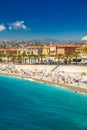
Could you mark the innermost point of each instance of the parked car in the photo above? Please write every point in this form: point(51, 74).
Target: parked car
point(83, 60)
point(49, 62)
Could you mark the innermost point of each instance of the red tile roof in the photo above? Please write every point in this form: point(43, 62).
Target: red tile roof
point(1, 50)
point(63, 45)
point(80, 47)
point(11, 49)
point(34, 47)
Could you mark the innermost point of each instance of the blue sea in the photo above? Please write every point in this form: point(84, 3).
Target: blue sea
point(27, 105)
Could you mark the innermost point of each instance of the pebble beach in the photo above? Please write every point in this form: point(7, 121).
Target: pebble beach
point(68, 76)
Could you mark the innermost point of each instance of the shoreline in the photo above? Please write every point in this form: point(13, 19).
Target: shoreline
point(66, 86)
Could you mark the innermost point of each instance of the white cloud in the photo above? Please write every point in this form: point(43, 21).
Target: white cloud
point(17, 25)
point(2, 27)
point(84, 38)
point(10, 28)
point(24, 27)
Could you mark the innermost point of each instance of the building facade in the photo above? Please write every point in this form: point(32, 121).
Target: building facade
point(56, 49)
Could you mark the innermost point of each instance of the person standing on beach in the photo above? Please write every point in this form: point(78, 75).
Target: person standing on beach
point(78, 83)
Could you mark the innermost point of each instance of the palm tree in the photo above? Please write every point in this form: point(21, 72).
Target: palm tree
point(8, 56)
point(67, 56)
point(24, 55)
point(32, 58)
point(59, 56)
point(41, 57)
point(29, 57)
point(38, 59)
point(76, 54)
point(35, 57)
point(14, 58)
point(85, 50)
point(1, 55)
point(4, 56)
point(19, 58)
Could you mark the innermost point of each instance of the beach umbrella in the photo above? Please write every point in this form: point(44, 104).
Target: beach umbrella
point(59, 74)
point(84, 79)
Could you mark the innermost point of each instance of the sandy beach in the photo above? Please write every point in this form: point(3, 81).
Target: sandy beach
point(67, 76)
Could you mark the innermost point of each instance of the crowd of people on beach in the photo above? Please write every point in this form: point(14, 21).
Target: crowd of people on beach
point(44, 75)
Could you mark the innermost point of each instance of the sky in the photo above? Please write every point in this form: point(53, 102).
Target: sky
point(43, 19)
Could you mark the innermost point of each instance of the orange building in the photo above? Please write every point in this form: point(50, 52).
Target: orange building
point(35, 50)
point(80, 49)
point(11, 51)
point(61, 48)
point(2, 50)
point(66, 48)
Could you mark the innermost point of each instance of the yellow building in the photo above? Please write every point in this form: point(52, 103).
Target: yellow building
point(80, 49)
point(35, 50)
point(46, 50)
point(22, 50)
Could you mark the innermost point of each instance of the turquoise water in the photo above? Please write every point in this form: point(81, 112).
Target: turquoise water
point(26, 105)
